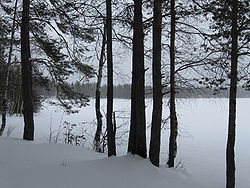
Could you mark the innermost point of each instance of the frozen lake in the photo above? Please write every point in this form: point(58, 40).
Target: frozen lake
point(201, 142)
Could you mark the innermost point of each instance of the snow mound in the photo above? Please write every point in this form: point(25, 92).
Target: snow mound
point(26, 164)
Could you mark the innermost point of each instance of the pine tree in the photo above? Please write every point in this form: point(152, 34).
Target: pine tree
point(173, 116)
point(230, 153)
point(137, 134)
point(154, 150)
point(110, 125)
point(230, 21)
point(26, 73)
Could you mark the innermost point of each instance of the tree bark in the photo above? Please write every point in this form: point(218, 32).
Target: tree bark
point(230, 154)
point(137, 135)
point(173, 116)
point(110, 126)
point(6, 86)
point(98, 133)
point(26, 74)
point(154, 150)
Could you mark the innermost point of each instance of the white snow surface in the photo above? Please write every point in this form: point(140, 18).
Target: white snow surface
point(200, 157)
point(25, 164)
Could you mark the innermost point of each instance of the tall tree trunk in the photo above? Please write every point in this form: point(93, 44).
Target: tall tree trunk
point(154, 150)
point(137, 135)
point(173, 117)
point(110, 126)
point(26, 74)
point(6, 86)
point(98, 133)
point(230, 162)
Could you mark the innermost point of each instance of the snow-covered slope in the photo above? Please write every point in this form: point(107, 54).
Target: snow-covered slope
point(26, 164)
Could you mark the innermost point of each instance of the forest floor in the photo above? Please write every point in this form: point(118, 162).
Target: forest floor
point(25, 164)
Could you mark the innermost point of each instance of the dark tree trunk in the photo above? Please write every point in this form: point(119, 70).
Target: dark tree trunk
point(26, 74)
point(6, 86)
point(114, 122)
point(98, 133)
point(110, 126)
point(173, 117)
point(137, 135)
point(230, 162)
point(4, 109)
point(154, 150)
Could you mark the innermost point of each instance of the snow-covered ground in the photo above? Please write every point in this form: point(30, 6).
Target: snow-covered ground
point(201, 150)
point(28, 165)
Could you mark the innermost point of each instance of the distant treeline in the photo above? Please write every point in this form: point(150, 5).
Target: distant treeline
point(124, 91)
point(89, 89)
